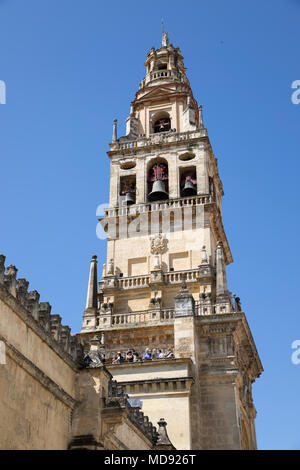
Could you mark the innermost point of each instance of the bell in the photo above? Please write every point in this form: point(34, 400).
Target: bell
point(129, 199)
point(189, 189)
point(158, 191)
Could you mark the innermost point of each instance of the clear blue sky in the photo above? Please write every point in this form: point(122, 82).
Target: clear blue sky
point(72, 66)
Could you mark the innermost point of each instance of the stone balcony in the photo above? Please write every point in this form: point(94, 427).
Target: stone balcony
point(136, 319)
point(158, 139)
point(163, 75)
point(142, 281)
point(160, 316)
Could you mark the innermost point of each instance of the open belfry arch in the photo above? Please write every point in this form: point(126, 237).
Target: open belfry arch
point(164, 281)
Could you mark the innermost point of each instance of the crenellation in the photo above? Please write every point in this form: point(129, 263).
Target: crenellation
point(55, 327)
point(10, 279)
point(65, 338)
point(33, 298)
point(22, 291)
point(45, 315)
point(2, 268)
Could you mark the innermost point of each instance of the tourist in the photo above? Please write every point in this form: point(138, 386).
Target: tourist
point(147, 355)
point(155, 354)
point(161, 355)
point(135, 356)
point(129, 356)
point(119, 358)
point(169, 354)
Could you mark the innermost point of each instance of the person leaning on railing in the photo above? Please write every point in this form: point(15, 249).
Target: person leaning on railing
point(169, 354)
point(147, 355)
point(118, 359)
point(129, 356)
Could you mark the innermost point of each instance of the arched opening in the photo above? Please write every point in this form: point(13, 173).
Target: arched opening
point(158, 181)
point(188, 182)
point(161, 122)
point(128, 189)
point(162, 125)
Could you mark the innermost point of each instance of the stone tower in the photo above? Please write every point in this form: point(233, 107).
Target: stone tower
point(164, 282)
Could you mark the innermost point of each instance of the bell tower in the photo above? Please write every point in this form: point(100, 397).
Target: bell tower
point(164, 285)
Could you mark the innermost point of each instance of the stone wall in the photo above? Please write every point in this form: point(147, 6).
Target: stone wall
point(38, 370)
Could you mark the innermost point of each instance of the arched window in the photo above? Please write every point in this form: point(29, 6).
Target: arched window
point(128, 189)
point(188, 182)
point(158, 179)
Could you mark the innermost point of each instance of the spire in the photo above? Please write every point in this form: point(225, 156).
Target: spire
point(221, 280)
point(201, 125)
point(91, 300)
point(114, 137)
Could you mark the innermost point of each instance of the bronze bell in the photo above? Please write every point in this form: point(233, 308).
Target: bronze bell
point(189, 189)
point(158, 191)
point(129, 199)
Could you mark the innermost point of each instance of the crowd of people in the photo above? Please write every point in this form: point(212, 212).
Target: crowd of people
point(134, 356)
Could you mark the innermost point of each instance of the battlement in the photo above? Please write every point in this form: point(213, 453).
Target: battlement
point(49, 326)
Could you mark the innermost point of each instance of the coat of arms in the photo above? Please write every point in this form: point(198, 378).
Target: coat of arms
point(158, 244)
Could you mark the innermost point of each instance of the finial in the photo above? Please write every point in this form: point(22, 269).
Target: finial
point(201, 125)
point(163, 438)
point(165, 39)
point(91, 301)
point(204, 255)
point(183, 279)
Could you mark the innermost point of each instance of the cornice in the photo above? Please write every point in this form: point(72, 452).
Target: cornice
point(154, 146)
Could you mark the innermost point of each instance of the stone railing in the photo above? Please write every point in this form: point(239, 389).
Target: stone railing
point(133, 282)
point(207, 308)
point(144, 316)
point(158, 139)
point(163, 74)
point(162, 316)
point(160, 205)
point(176, 277)
point(171, 277)
point(134, 319)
